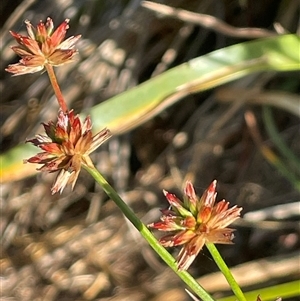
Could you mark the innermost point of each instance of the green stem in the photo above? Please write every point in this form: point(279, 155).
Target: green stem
point(160, 250)
point(278, 140)
point(56, 88)
point(225, 271)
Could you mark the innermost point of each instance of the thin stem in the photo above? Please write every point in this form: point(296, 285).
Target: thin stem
point(225, 271)
point(56, 88)
point(160, 250)
point(278, 140)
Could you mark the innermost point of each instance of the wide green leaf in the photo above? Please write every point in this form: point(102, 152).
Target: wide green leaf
point(130, 109)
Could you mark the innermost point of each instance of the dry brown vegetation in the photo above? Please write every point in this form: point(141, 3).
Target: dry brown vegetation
point(78, 246)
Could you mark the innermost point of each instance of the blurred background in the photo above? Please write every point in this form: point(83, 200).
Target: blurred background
point(78, 246)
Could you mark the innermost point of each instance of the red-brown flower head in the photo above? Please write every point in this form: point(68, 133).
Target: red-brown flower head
point(196, 221)
point(66, 146)
point(42, 46)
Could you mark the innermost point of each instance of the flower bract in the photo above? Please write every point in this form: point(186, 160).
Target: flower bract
point(42, 46)
point(195, 221)
point(66, 147)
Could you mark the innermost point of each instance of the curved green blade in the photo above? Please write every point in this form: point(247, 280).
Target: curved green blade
point(132, 108)
point(271, 293)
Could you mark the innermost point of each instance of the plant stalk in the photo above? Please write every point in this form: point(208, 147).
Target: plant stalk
point(56, 88)
point(225, 271)
point(160, 250)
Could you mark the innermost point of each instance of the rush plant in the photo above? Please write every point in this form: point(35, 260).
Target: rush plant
point(193, 222)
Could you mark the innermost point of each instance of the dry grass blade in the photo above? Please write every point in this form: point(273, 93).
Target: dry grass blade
point(207, 21)
point(283, 100)
point(259, 271)
point(77, 246)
